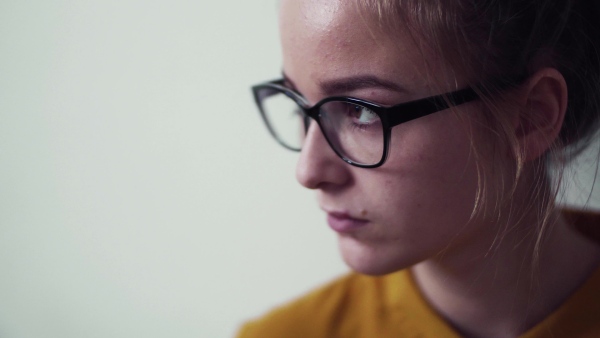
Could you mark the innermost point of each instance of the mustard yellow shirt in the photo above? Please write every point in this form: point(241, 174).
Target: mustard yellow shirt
point(358, 306)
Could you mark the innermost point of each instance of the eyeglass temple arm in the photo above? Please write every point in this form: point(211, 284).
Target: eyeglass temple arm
point(405, 112)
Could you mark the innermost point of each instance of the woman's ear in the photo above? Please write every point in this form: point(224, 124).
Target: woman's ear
point(544, 103)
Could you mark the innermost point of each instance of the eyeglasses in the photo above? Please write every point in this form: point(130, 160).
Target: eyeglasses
point(358, 131)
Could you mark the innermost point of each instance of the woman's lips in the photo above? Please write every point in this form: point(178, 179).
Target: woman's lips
point(341, 222)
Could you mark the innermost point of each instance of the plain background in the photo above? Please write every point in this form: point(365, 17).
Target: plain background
point(140, 195)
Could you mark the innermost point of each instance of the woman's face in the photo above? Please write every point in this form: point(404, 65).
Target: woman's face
point(419, 202)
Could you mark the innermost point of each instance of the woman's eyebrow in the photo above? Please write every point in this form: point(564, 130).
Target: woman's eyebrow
point(349, 84)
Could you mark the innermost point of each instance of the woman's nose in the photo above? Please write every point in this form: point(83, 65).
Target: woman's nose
point(318, 164)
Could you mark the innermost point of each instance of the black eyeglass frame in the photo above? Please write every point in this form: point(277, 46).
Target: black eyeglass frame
point(389, 116)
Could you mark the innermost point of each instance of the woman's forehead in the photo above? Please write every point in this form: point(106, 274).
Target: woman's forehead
point(321, 14)
point(329, 39)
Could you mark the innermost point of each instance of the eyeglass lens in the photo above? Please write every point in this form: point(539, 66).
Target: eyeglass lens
point(284, 117)
point(354, 131)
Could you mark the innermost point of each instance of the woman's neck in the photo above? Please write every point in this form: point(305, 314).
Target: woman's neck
point(504, 291)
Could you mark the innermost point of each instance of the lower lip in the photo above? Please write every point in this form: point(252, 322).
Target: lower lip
point(344, 224)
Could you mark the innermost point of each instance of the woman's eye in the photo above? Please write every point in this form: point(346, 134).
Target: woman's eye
point(363, 115)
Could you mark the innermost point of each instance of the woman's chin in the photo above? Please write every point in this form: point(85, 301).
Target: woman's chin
point(372, 258)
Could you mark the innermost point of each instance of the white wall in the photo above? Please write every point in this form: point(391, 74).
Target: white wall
point(140, 195)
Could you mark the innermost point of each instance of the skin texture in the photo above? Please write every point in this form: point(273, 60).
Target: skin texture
point(418, 206)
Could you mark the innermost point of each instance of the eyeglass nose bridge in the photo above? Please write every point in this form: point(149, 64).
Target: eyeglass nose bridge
point(306, 121)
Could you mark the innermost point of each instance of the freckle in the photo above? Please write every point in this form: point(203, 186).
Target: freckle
point(363, 212)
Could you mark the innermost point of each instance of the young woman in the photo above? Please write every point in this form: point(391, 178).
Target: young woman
point(427, 129)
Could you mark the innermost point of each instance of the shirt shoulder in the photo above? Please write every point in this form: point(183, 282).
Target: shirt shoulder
point(316, 314)
point(354, 306)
